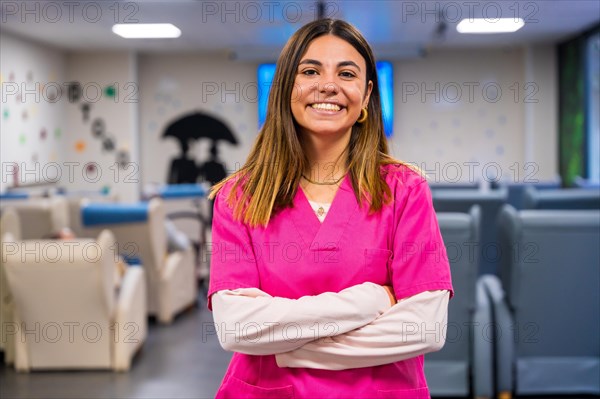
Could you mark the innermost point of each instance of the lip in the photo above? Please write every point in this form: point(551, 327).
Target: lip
point(326, 111)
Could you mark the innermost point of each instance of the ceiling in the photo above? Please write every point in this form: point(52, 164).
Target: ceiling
point(258, 29)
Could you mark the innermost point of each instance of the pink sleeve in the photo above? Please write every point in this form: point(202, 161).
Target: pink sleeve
point(419, 262)
point(232, 263)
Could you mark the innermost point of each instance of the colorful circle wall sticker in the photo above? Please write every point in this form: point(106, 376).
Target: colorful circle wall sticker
point(80, 146)
point(43, 134)
point(110, 91)
point(57, 133)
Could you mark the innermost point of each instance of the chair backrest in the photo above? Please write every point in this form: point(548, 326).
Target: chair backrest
point(570, 198)
point(460, 232)
point(551, 279)
point(64, 300)
point(40, 217)
point(143, 236)
point(490, 203)
point(517, 190)
point(580, 182)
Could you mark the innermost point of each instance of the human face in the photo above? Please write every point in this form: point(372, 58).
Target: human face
point(330, 87)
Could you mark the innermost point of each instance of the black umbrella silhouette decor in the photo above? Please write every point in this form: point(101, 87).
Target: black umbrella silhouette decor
point(193, 127)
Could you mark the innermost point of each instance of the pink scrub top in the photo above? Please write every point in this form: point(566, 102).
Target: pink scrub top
point(297, 255)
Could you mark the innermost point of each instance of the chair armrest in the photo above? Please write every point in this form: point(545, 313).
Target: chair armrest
point(483, 350)
point(177, 285)
point(504, 342)
point(130, 326)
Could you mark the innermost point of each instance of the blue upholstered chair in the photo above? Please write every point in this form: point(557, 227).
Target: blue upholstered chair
point(547, 303)
point(466, 359)
point(570, 198)
point(490, 203)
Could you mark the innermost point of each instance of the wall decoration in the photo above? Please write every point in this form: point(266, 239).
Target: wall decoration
point(123, 158)
point(43, 134)
point(85, 111)
point(80, 146)
point(74, 92)
point(29, 76)
point(110, 91)
point(193, 127)
point(11, 77)
point(24, 115)
point(57, 133)
point(108, 144)
point(5, 113)
point(22, 139)
point(98, 128)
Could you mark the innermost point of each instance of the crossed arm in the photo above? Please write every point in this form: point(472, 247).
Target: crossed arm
point(357, 327)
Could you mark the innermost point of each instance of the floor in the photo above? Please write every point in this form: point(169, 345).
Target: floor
point(177, 361)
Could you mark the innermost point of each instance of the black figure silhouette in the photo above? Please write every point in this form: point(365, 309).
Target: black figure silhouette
point(192, 127)
point(212, 171)
point(183, 169)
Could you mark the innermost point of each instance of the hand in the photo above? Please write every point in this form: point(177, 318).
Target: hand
point(390, 292)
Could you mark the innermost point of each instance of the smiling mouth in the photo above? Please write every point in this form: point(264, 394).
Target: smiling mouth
point(326, 107)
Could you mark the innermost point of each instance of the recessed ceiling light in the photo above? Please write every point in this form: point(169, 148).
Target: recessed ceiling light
point(146, 31)
point(487, 25)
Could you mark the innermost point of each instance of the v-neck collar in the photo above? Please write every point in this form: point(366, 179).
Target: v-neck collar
point(317, 235)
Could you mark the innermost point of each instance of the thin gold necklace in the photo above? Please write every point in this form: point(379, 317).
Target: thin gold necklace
point(320, 211)
point(324, 183)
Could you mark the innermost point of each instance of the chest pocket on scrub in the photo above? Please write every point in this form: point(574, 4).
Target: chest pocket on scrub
point(376, 264)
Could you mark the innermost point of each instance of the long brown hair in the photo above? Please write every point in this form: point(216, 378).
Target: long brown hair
point(272, 172)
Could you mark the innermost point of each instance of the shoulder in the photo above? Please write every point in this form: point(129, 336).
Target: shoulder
point(402, 176)
point(230, 191)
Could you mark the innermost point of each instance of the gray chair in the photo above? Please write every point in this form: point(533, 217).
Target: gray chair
point(547, 303)
point(451, 186)
point(570, 198)
point(465, 361)
point(580, 182)
point(516, 190)
point(490, 203)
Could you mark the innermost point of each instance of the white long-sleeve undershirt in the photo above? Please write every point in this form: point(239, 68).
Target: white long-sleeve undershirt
point(353, 328)
point(253, 322)
point(413, 327)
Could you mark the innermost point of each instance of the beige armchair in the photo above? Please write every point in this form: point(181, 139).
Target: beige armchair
point(171, 278)
point(40, 217)
point(10, 231)
point(67, 311)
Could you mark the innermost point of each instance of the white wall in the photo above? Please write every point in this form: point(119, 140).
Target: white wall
point(456, 115)
point(32, 127)
point(174, 85)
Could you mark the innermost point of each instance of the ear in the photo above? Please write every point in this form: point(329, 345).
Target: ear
point(368, 94)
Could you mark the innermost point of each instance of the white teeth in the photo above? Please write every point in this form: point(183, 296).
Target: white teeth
point(326, 106)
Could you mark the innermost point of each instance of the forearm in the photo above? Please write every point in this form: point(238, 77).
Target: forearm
point(253, 322)
point(412, 327)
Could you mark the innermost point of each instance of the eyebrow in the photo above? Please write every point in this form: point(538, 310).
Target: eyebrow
point(340, 64)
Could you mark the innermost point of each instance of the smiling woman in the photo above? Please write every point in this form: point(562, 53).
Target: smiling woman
point(354, 258)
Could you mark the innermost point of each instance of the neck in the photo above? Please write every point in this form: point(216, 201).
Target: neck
point(327, 156)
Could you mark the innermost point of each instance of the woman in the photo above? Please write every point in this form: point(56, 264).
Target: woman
point(319, 234)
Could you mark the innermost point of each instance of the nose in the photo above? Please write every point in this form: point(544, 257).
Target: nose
point(329, 87)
